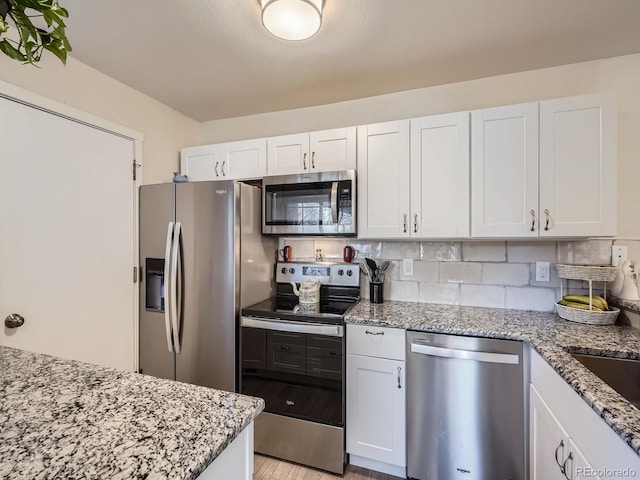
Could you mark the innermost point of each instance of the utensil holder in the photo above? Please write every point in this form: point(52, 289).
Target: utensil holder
point(375, 292)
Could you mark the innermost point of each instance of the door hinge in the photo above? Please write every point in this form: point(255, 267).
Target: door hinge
point(135, 166)
point(135, 274)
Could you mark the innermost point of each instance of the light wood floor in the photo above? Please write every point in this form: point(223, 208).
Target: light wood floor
point(267, 468)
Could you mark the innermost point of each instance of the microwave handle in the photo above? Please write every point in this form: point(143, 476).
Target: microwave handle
point(334, 202)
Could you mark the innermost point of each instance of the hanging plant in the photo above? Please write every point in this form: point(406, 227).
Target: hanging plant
point(39, 26)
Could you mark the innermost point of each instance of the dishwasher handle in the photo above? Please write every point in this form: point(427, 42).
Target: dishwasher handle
point(444, 352)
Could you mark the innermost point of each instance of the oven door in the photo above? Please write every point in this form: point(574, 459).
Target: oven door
point(309, 204)
point(296, 367)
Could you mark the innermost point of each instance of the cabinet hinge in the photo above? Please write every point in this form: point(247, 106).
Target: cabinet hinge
point(135, 274)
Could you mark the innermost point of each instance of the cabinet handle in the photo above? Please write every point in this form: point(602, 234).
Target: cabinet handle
point(533, 220)
point(560, 445)
point(404, 223)
point(222, 169)
point(216, 169)
point(399, 370)
point(546, 225)
point(570, 468)
point(304, 161)
point(335, 354)
point(415, 223)
point(313, 160)
point(285, 347)
point(373, 333)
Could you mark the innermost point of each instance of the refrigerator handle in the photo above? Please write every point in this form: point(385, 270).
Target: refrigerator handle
point(174, 286)
point(167, 287)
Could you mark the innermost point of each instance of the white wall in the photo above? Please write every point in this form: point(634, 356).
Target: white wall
point(165, 130)
point(618, 74)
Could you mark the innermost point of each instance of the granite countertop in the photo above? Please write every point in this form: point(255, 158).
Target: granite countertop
point(66, 419)
point(552, 337)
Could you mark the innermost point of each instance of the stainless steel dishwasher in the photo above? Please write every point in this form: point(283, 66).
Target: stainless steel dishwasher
point(465, 408)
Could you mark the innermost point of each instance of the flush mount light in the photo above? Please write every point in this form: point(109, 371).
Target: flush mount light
point(292, 19)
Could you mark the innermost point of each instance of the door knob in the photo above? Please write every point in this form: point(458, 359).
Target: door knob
point(14, 320)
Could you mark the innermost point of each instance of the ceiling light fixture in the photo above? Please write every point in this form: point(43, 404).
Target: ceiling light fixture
point(292, 19)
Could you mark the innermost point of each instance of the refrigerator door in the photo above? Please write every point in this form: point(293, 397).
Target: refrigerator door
point(156, 214)
point(208, 282)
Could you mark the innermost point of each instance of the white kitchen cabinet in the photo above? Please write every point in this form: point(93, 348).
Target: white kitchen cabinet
point(320, 151)
point(578, 157)
point(563, 426)
point(545, 169)
point(383, 180)
point(504, 171)
point(201, 163)
point(440, 176)
point(376, 412)
point(225, 161)
point(244, 159)
point(413, 178)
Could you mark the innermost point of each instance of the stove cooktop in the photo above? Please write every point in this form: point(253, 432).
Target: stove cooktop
point(285, 309)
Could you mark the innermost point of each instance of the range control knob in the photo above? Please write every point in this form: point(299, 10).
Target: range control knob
point(292, 270)
point(340, 272)
point(349, 273)
point(284, 270)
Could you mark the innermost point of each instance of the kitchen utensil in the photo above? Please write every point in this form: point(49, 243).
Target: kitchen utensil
point(308, 293)
point(373, 266)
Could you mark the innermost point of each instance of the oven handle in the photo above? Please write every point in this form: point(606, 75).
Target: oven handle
point(294, 327)
point(334, 202)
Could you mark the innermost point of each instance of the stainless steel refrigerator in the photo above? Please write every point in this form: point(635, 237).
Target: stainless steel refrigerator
point(203, 259)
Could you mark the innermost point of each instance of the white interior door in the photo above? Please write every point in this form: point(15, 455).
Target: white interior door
point(67, 237)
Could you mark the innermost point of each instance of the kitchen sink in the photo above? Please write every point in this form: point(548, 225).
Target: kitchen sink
point(621, 374)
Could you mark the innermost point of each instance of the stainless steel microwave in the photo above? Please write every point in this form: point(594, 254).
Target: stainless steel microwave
point(310, 204)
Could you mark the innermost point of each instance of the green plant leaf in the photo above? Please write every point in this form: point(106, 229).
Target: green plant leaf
point(11, 51)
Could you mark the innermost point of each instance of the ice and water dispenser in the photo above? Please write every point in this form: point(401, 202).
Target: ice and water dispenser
point(154, 268)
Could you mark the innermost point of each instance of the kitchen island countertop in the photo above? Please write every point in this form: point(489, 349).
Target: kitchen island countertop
point(67, 419)
point(552, 337)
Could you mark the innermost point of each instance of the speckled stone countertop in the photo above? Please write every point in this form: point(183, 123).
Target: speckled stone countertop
point(61, 419)
point(552, 337)
point(631, 305)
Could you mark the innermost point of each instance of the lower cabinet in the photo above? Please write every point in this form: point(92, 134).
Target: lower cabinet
point(568, 440)
point(376, 399)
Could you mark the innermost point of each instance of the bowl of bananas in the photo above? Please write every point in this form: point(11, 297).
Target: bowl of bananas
point(593, 310)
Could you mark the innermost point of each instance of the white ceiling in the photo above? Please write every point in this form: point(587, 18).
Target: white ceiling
point(212, 59)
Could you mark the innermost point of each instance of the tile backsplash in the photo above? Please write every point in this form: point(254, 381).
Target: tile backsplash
point(499, 274)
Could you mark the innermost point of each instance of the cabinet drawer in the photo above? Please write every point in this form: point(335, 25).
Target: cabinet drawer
point(283, 357)
point(382, 342)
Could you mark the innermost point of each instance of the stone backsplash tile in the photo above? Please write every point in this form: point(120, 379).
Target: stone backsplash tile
point(585, 252)
point(400, 250)
point(505, 274)
point(445, 293)
point(441, 251)
point(484, 251)
point(531, 298)
point(460, 272)
point(482, 296)
point(528, 252)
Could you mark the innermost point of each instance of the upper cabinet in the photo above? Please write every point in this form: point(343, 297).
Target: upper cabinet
point(545, 169)
point(321, 151)
point(413, 178)
point(383, 180)
point(578, 158)
point(504, 171)
point(225, 161)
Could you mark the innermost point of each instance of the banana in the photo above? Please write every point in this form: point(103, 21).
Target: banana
point(596, 300)
point(578, 305)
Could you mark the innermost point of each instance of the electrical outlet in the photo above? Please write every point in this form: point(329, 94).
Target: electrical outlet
point(407, 267)
point(542, 271)
point(618, 255)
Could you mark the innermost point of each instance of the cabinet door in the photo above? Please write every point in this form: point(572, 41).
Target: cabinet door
point(245, 159)
point(504, 171)
point(578, 156)
point(288, 154)
point(548, 443)
point(383, 180)
point(578, 466)
point(333, 149)
point(202, 163)
point(376, 409)
point(440, 176)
